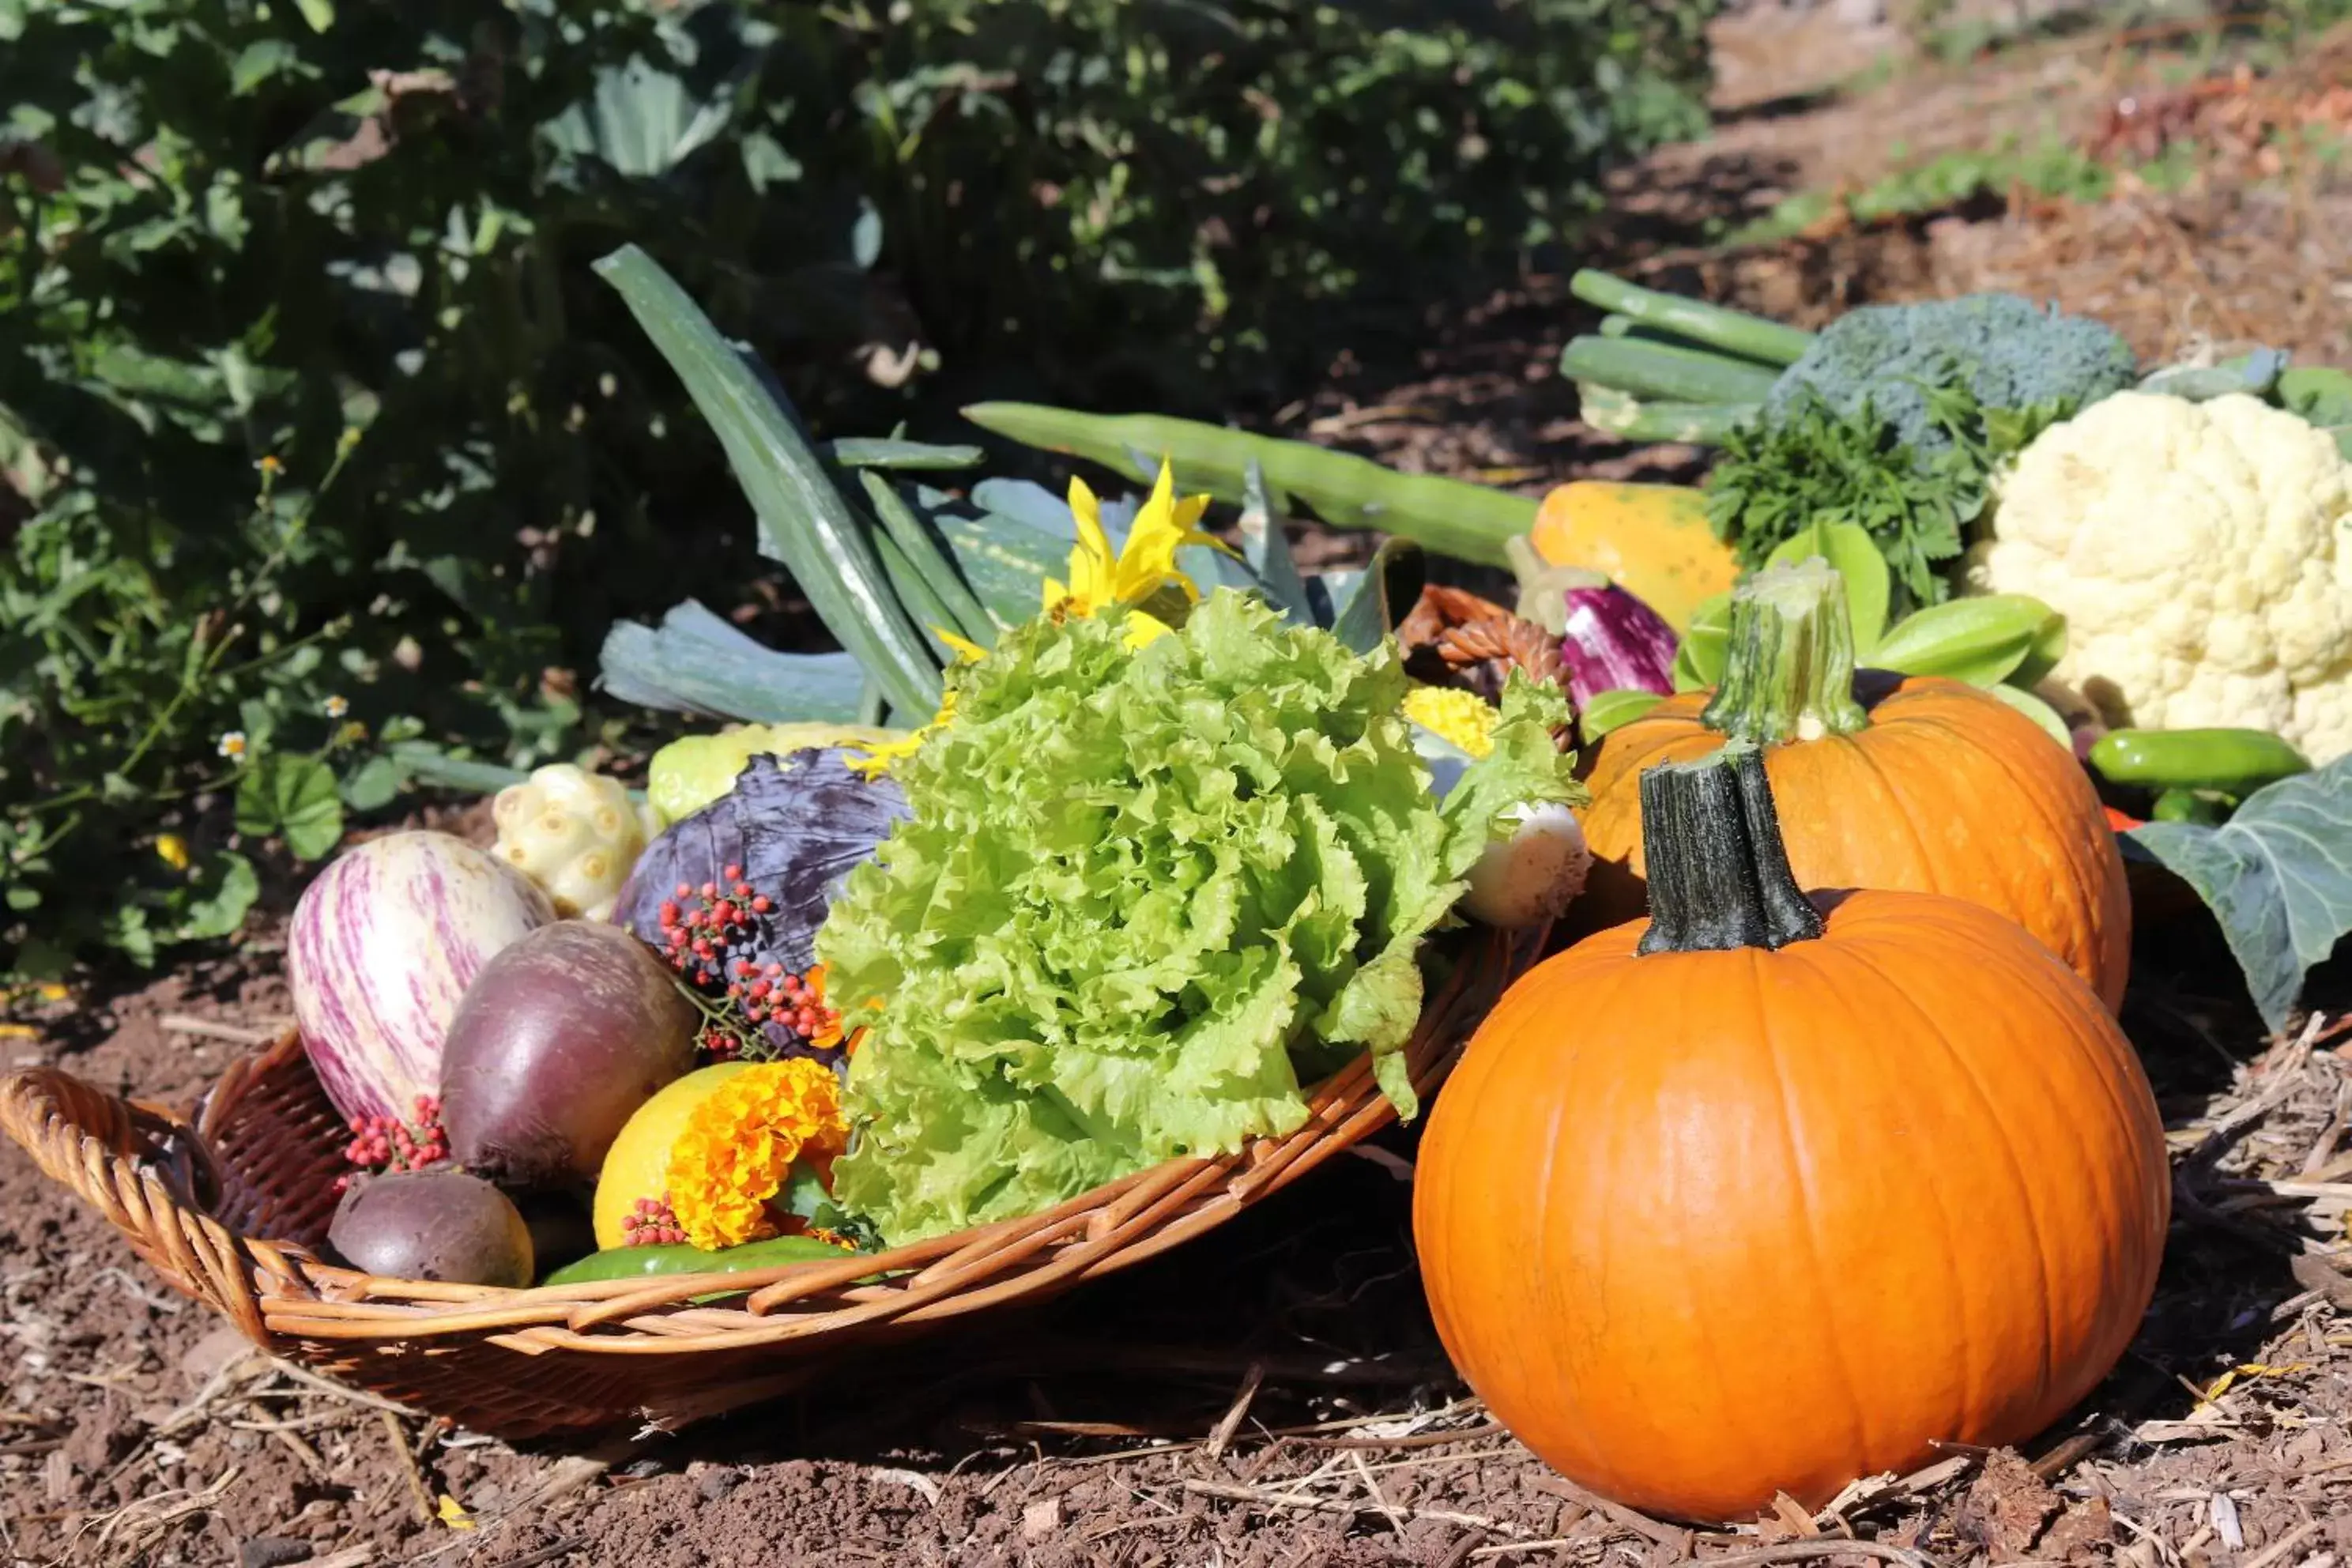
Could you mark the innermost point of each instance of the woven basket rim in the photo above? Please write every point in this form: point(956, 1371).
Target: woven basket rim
point(165, 1181)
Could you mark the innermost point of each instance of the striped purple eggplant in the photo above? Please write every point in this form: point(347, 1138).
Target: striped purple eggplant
point(382, 946)
point(1614, 642)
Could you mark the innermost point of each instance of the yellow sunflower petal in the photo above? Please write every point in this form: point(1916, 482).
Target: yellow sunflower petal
point(968, 651)
point(880, 754)
point(1092, 565)
point(1142, 629)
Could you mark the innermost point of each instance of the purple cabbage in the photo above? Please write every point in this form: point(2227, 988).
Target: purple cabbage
point(795, 826)
point(1614, 642)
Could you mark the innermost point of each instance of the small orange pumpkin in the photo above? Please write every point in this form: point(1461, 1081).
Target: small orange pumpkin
point(1767, 1193)
point(1920, 784)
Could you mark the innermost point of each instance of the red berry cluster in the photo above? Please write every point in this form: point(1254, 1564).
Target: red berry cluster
point(700, 925)
point(710, 935)
point(387, 1144)
point(651, 1223)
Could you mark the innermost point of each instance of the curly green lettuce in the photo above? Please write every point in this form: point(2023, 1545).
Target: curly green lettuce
point(1138, 896)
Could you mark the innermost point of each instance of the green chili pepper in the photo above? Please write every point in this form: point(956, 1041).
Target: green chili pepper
point(629, 1262)
point(2233, 762)
point(2191, 805)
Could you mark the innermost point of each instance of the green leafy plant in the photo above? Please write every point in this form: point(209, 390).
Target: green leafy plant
point(1777, 479)
point(878, 572)
point(109, 860)
point(2282, 907)
point(230, 231)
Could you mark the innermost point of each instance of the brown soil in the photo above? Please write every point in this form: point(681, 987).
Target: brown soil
point(1276, 1394)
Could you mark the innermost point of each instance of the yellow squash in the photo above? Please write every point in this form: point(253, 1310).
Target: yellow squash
point(638, 1163)
point(1652, 540)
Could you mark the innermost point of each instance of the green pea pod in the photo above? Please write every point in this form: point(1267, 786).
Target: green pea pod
point(2233, 762)
point(629, 1262)
point(1613, 711)
point(1705, 645)
point(1982, 641)
point(2190, 805)
point(2052, 725)
point(1848, 547)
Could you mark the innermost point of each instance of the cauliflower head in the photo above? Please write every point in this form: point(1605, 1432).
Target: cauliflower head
point(2199, 553)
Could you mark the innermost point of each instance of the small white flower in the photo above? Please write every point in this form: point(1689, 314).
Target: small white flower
point(337, 707)
point(232, 745)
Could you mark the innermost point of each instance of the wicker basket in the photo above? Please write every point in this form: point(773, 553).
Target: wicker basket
point(230, 1205)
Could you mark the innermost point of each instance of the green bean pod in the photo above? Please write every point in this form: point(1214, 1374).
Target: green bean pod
point(2230, 762)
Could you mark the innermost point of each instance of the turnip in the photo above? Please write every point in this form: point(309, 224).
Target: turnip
point(561, 1037)
point(1532, 876)
point(435, 1225)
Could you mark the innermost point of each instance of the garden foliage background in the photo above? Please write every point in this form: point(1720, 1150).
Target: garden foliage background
point(322, 443)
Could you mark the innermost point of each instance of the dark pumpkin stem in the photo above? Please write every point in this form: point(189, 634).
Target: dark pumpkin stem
point(1719, 873)
point(1788, 673)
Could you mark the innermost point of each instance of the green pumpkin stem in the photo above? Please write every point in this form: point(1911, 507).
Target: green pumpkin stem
point(1718, 872)
point(1789, 669)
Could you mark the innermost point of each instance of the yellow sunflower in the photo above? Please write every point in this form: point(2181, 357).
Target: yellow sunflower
point(1139, 572)
point(1142, 572)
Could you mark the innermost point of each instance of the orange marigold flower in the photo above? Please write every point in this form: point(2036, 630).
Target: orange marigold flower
point(741, 1143)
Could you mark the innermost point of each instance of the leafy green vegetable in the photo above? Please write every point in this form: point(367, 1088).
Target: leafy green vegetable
point(2277, 876)
point(2255, 374)
point(804, 522)
point(1811, 465)
point(1141, 895)
point(1816, 465)
point(2320, 393)
point(699, 662)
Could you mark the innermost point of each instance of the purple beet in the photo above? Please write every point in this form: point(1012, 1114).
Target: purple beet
point(559, 1040)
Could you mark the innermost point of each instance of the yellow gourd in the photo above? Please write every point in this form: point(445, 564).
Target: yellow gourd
point(638, 1165)
point(1652, 540)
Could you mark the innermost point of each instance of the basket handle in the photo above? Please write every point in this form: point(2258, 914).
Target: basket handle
point(148, 1172)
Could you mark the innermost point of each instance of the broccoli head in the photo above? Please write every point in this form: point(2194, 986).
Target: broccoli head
point(2012, 354)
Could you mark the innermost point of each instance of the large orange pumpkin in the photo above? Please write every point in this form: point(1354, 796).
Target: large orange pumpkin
point(1769, 1194)
point(1920, 784)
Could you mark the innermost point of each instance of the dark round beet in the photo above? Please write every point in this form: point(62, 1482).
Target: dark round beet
point(564, 1034)
point(444, 1225)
